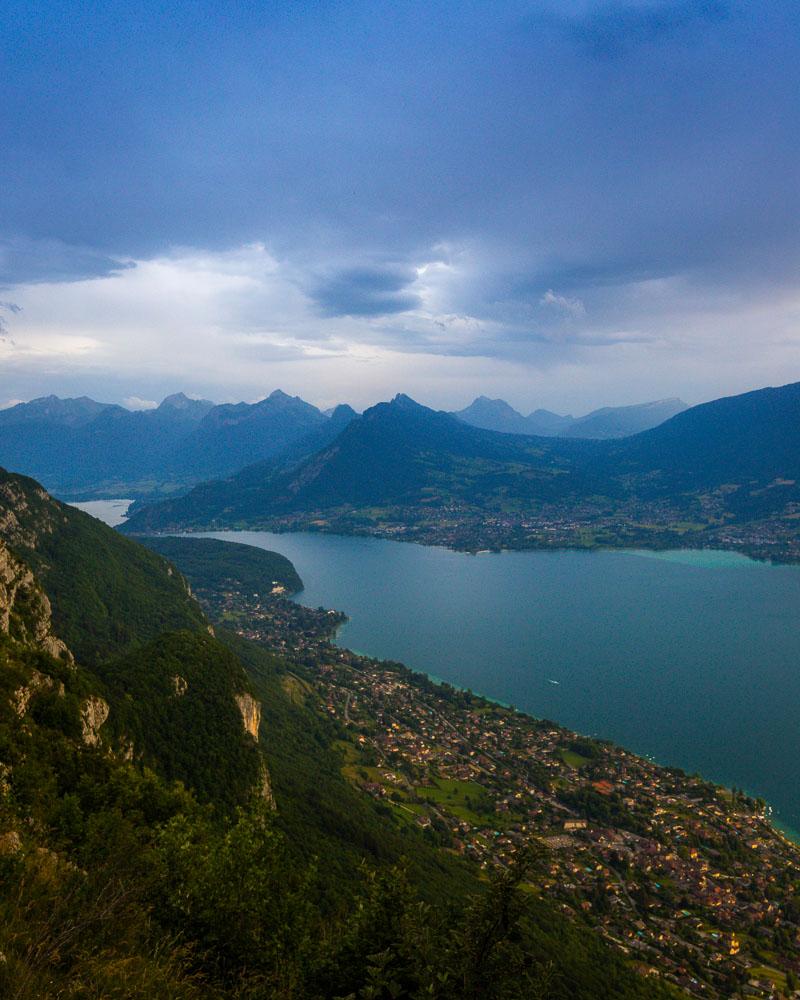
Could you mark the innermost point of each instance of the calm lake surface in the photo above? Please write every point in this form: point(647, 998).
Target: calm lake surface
point(690, 657)
point(111, 511)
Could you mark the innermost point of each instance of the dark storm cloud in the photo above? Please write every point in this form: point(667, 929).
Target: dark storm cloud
point(363, 130)
point(365, 291)
point(27, 261)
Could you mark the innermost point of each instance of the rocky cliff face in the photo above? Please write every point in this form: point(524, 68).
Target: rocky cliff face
point(251, 713)
point(111, 599)
point(94, 712)
point(26, 511)
point(25, 611)
point(251, 720)
point(264, 787)
point(37, 682)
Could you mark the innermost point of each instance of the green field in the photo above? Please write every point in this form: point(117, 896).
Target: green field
point(573, 759)
point(465, 800)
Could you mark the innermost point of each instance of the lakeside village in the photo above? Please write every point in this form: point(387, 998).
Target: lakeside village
point(585, 525)
point(688, 880)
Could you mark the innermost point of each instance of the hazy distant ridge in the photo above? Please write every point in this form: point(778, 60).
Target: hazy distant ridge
point(79, 446)
point(607, 422)
point(734, 460)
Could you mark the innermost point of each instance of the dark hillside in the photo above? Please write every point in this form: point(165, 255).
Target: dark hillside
point(213, 563)
point(731, 440)
point(173, 701)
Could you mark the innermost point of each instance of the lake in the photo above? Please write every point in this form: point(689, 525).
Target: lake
point(111, 511)
point(690, 657)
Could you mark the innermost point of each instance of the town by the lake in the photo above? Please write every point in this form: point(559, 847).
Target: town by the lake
point(690, 881)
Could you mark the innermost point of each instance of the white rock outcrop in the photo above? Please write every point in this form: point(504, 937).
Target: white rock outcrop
point(94, 712)
point(179, 685)
point(10, 843)
point(264, 786)
point(38, 682)
point(24, 605)
point(251, 713)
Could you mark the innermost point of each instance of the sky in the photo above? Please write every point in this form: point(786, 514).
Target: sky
point(564, 203)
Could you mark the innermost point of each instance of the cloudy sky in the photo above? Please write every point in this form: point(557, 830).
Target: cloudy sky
point(564, 203)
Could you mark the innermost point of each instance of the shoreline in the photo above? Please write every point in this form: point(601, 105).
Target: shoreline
point(415, 675)
point(748, 550)
point(781, 828)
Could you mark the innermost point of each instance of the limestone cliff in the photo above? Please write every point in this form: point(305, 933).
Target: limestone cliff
point(251, 713)
point(250, 710)
point(26, 511)
point(179, 685)
point(94, 712)
point(264, 787)
point(25, 611)
point(37, 682)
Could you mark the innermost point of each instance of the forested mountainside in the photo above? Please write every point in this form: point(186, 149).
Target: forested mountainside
point(78, 447)
point(607, 422)
point(220, 564)
point(724, 473)
point(175, 821)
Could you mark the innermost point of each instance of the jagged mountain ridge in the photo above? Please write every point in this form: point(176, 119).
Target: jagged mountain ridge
point(404, 455)
point(78, 447)
point(395, 453)
point(607, 422)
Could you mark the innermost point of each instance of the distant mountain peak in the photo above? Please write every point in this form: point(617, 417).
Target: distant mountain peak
point(341, 411)
point(178, 400)
point(487, 405)
point(52, 399)
point(622, 421)
point(280, 400)
point(180, 403)
point(541, 412)
point(70, 412)
point(669, 401)
point(403, 402)
point(493, 415)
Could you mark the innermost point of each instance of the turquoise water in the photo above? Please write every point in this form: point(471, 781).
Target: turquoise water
point(690, 657)
point(111, 511)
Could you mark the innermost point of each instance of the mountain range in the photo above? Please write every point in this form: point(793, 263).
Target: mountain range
point(78, 447)
point(607, 422)
point(404, 470)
